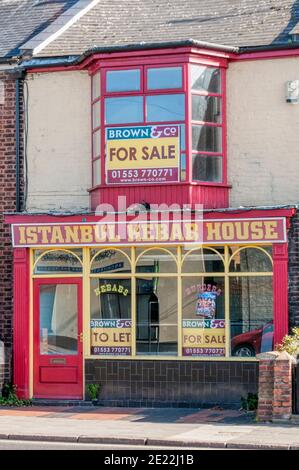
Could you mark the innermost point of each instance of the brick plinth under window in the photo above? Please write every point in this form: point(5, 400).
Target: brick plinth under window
point(7, 204)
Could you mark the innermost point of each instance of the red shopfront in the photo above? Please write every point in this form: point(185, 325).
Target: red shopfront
point(91, 306)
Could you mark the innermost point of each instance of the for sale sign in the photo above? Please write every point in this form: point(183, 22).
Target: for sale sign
point(143, 154)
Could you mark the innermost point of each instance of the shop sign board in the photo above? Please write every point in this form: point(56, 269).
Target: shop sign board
point(143, 154)
point(111, 337)
point(203, 337)
point(210, 232)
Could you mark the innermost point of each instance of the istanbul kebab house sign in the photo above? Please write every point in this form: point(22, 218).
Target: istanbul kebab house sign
point(210, 232)
point(144, 154)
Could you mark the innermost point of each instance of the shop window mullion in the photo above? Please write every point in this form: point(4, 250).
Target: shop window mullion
point(133, 302)
point(226, 302)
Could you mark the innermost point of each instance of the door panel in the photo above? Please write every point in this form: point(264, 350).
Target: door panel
point(58, 348)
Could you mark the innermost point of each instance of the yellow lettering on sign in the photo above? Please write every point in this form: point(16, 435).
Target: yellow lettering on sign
point(257, 232)
point(134, 232)
point(44, 231)
point(162, 232)
point(271, 230)
point(100, 233)
point(31, 235)
point(112, 237)
point(191, 232)
point(86, 234)
point(228, 232)
point(22, 239)
point(213, 231)
point(57, 236)
point(176, 232)
point(242, 230)
point(71, 234)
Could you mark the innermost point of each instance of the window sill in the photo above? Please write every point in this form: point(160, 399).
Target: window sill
point(184, 183)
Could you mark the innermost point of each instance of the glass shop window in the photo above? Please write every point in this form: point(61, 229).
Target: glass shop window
point(157, 310)
point(58, 262)
point(251, 303)
point(203, 260)
point(110, 320)
point(203, 323)
point(110, 261)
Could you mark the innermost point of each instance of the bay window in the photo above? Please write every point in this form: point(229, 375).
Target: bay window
point(186, 95)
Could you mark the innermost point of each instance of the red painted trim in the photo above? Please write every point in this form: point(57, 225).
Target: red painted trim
point(280, 291)
point(21, 322)
point(213, 214)
point(281, 54)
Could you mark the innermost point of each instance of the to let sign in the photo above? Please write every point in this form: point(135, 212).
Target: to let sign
point(142, 154)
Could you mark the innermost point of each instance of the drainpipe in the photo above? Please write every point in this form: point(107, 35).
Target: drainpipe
point(18, 199)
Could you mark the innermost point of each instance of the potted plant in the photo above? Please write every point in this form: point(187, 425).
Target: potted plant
point(92, 391)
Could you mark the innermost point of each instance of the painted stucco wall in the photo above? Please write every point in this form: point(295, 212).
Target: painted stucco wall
point(263, 133)
point(58, 146)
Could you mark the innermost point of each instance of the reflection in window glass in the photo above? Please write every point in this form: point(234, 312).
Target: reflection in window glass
point(96, 85)
point(206, 108)
point(205, 78)
point(183, 137)
point(206, 138)
point(96, 114)
point(156, 329)
point(123, 110)
point(96, 141)
point(165, 108)
point(96, 172)
point(156, 261)
point(206, 168)
point(200, 261)
point(251, 315)
point(123, 80)
point(251, 260)
point(58, 261)
point(110, 261)
point(166, 77)
point(58, 319)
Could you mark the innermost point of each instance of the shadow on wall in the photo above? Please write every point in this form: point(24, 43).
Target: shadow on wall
point(283, 36)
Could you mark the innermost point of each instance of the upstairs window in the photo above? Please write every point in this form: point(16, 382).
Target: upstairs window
point(145, 98)
point(206, 121)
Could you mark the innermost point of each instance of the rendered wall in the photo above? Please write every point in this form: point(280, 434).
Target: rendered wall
point(262, 132)
point(59, 142)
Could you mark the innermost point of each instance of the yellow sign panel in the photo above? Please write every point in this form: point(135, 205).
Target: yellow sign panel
point(111, 337)
point(142, 154)
point(203, 337)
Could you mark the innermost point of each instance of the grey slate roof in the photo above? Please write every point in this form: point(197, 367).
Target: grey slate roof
point(20, 20)
point(242, 23)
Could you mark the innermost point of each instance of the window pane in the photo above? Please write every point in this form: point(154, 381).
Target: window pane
point(250, 260)
point(167, 77)
point(200, 261)
point(123, 80)
point(156, 329)
point(58, 319)
point(156, 261)
point(58, 262)
point(183, 137)
point(207, 168)
point(203, 325)
point(96, 172)
point(110, 261)
point(205, 78)
point(206, 138)
point(165, 108)
point(96, 114)
point(96, 140)
point(123, 110)
point(206, 108)
point(110, 324)
point(251, 315)
point(96, 85)
point(183, 167)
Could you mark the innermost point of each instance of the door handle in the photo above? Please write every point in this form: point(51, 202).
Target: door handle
point(80, 336)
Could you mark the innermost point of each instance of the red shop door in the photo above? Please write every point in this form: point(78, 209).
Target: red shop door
point(58, 337)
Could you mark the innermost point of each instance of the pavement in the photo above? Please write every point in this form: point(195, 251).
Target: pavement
point(170, 427)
